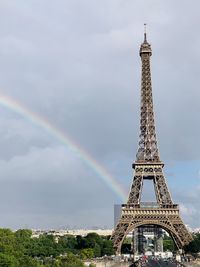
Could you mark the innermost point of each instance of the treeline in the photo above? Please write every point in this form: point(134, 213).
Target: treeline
point(168, 244)
point(194, 246)
point(19, 249)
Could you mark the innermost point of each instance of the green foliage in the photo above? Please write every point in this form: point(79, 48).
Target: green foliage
point(87, 253)
point(14, 248)
point(19, 249)
point(127, 240)
point(25, 261)
point(101, 245)
point(7, 260)
point(23, 235)
point(70, 261)
point(68, 243)
point(194, 245)
point(126, 245)
point(168, 243)
point(7, 241)
point(44, 246)
point(107, 248)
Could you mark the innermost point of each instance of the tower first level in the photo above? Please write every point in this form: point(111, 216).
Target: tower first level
point(148, 166)
point(164, 214)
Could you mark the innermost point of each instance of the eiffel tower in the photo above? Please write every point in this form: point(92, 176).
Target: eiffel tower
point(148, 166)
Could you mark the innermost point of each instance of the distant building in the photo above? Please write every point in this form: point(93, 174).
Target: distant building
point(81, 232)
point(117, 213)
point(197, 230)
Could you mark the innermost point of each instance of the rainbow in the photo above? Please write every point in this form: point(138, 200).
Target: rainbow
point(67, 140)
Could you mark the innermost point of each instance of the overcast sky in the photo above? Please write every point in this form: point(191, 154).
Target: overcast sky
point(76, 63)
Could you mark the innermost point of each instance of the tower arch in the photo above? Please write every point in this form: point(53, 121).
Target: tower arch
point(165, 226)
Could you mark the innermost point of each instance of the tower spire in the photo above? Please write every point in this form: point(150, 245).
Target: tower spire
point(145, 33)
point(148, 149)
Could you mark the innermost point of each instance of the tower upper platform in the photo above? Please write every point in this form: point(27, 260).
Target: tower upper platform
point(145, 47)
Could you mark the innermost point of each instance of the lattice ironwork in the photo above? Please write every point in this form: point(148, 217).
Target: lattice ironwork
point(167, 218)
point(149, 166)
point(148, 149)
point(154, 173)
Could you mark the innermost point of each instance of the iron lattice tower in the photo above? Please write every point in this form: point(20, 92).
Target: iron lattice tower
point(149, 166)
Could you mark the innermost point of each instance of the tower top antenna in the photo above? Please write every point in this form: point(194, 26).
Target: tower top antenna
point(145, 33)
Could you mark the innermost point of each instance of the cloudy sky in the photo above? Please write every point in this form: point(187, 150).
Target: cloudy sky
point(75, 63)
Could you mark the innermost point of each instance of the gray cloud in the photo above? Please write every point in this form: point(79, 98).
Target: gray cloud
point(76, 63)
point(189, 206)
point(48, 183)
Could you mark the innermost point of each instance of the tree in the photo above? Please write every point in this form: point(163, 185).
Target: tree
point(23, 235)
point(70, 261)
point(8, 243)
point(168, 243)
point(107, 248)
point(27, 261)
point(8, 261)
point(92, 239)
point(23, 240)
point(44, 246)
point(97, 250)
point(19, 249)
point(80, 242)
point(87, 253)
point(68, 243)
point(194, 245)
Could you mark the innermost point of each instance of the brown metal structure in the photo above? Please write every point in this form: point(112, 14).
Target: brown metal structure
point(149, 166)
